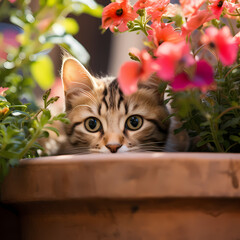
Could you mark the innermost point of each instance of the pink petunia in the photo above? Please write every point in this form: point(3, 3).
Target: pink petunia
point(202, 78)
point(132, 72)
point(189, 7)
point(171, 57)
point(162, 32)
point(222, 42)
point(154, 8)
point(217, 6)
point(118, 14)
point(195, 21)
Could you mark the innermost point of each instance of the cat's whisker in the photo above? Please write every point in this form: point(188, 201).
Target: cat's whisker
point(150, 143)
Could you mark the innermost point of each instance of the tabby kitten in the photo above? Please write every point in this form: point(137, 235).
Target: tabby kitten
point(104, 120)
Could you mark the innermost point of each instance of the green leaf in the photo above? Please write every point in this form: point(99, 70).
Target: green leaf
point(70, 25)
point(46, 115)
point(87, 6)
point(43, 71)
point(52, 129)
point(235, 138)
point(17, 113)
point(203, 142)
point(68, 42)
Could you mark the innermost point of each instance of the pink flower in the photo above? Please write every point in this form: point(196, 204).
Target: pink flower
point(237, 38)
point(171, 57)
point(2, 90)
point(202, 78)
point(162, 32)
point(118, 14)
point(171, 10)
point(232, 6)
point(222, 42)
point(216, 7)
point(132, 72)
point(196, 20)
point(189, 7)
point(154, 8)
point(8, 40)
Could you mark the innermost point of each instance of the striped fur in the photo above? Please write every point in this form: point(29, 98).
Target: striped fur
point(103, 99)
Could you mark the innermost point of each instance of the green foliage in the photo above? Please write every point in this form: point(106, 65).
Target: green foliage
point(24, 63)
point(20, 129)
point(42, 29)
point(45, 77)
point(213, 116)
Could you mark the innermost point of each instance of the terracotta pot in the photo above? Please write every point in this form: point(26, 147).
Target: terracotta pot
point(152, 196)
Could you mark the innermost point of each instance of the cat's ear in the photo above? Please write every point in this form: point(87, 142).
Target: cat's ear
point(75, 75)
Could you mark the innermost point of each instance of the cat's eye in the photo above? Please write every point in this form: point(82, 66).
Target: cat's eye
point(134, 122)
point(92, 124)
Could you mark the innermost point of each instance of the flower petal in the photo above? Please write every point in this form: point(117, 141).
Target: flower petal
point(129, 76)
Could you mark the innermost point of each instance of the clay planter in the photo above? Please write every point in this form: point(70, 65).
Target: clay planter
point(152, 196)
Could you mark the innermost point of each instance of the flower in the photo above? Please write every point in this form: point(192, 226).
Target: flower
point(196, 20)
point(117, 14)
point(132, 72)
point(189, 7)
point(2, 90)
point(202, 78)
point(162, 32)
point(222, 42)
point(217, 7)
point(154, 8)
point(237, 38)
point(171, 57)
point(232, 7)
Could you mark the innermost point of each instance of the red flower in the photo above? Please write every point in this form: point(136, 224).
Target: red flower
point(189, 7)
point(118, 14)
point(171, 57)
point(216, 7)
point(132, 72)
point(196, 20)
point(162, 32)
point(154, 8)
point(202, 78)
point(222, 42)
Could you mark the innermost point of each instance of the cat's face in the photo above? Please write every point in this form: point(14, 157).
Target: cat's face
point(106, 121)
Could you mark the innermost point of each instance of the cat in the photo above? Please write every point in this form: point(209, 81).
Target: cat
point(104, 120)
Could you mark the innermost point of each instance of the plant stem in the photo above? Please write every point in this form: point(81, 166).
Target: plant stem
point(215, 138)
point(30, 143)
point(231, 70)
point(226, 111)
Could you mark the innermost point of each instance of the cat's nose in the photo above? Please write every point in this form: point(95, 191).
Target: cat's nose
point(113, 147)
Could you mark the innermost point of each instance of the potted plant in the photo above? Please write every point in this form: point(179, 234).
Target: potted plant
point(193, 47)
